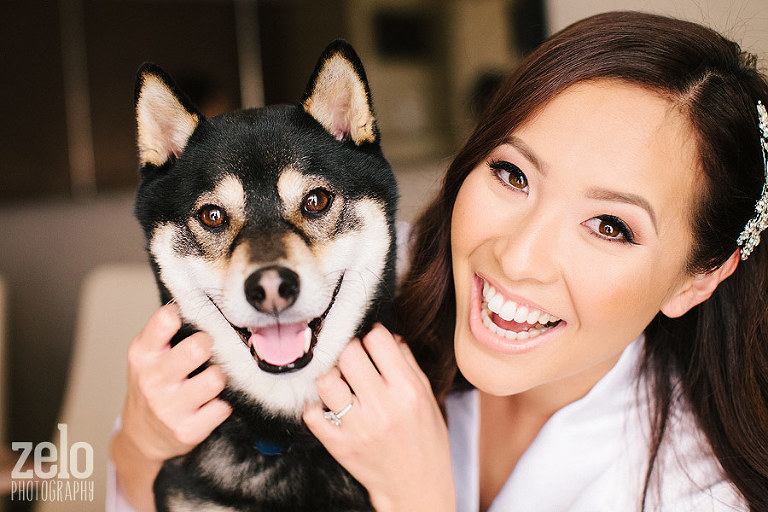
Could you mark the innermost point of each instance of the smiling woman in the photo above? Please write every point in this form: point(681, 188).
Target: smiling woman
point(579, 288)
point(561, 235)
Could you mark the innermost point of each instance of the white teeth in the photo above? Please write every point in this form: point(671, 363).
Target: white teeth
point(521, 314)
point(307, 339)
point(508, 310)
point(511, 311)
point(487, 319)
point(510, 335)
point(496, 303)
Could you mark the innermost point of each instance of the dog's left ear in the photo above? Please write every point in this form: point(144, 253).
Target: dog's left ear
point(338, 96)
point(165, 117)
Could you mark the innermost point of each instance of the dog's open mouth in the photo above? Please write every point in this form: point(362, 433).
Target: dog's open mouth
point(282, 348)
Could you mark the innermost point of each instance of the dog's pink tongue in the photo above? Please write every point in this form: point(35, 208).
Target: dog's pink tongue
point(281, 344)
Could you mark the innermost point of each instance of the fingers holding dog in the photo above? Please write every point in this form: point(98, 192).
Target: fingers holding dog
point(411, 360)
point(384, 350)
point(204, 420)
point(207, 384)
point(156, 335)
point(165, 409)
point(371, 369)
point(334, 391)
point(188, 355)
point(394, 418)
point(359, 370)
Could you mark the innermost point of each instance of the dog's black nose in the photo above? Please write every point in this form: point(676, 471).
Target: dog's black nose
point(272, 289)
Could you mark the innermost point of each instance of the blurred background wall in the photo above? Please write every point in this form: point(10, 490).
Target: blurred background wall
point(68, 170)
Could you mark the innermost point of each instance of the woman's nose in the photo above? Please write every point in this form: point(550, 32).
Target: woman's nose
point(532, 249)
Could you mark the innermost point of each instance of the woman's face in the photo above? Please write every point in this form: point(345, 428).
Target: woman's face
point(570, 237)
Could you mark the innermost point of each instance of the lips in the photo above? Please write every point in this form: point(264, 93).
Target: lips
point(506, 325)
point(283, 348)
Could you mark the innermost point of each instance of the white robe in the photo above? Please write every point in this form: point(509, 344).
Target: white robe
point(592, 456)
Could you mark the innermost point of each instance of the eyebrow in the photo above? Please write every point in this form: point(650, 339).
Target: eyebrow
point(529, 155)
point(602, 194)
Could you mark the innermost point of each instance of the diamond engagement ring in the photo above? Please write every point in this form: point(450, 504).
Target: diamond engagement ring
point(335, 417)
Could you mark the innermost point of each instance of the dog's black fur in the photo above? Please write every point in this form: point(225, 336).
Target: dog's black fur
point(235, 467)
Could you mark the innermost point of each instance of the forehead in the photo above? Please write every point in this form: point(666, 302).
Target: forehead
point(615, 135)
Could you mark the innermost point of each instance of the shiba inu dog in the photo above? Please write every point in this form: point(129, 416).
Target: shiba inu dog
point(273, 230)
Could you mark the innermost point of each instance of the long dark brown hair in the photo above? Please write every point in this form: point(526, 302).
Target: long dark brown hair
point(715, 357)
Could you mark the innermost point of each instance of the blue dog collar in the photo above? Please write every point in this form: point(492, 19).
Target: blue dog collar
point(268, 448)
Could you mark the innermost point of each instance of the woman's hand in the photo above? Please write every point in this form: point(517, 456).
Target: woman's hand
point(165, 413)
point(393, 439)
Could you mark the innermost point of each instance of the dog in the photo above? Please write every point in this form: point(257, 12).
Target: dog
point(273, 231)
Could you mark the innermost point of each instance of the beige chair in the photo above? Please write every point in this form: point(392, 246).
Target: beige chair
point(114, 304)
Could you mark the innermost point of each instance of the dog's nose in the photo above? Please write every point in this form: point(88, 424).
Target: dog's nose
point(272, 289)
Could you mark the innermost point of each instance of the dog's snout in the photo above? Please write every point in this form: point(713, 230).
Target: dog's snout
point(272, 289)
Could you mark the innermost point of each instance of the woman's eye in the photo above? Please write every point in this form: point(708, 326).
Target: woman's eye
point(212, 216)
point(611, 228)
point(510, 174)
point(317, 201)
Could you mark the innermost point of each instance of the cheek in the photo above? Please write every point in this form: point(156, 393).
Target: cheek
point(467, 224)
point(472, 221)
point(463, 213)
point(623, 299)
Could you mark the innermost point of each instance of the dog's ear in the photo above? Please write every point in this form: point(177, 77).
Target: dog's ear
point(164, 116)
point(338, 96)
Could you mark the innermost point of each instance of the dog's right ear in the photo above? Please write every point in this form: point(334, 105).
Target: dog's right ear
point(164, 116)
point(339, 98)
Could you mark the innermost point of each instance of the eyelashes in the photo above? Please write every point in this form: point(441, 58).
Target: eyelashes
point(606, 227)
point(509, 174)
point(611, 228)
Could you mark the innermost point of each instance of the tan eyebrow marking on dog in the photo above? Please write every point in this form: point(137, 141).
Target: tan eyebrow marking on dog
point(229, 194)
point(292, 186)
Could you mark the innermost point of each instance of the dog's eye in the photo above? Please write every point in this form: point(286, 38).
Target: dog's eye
point(212, 216)
point(317, 201)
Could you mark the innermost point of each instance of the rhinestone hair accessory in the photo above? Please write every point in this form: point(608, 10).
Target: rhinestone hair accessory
point(750, 237)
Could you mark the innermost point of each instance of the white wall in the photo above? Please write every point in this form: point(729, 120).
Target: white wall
point(744, 21)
